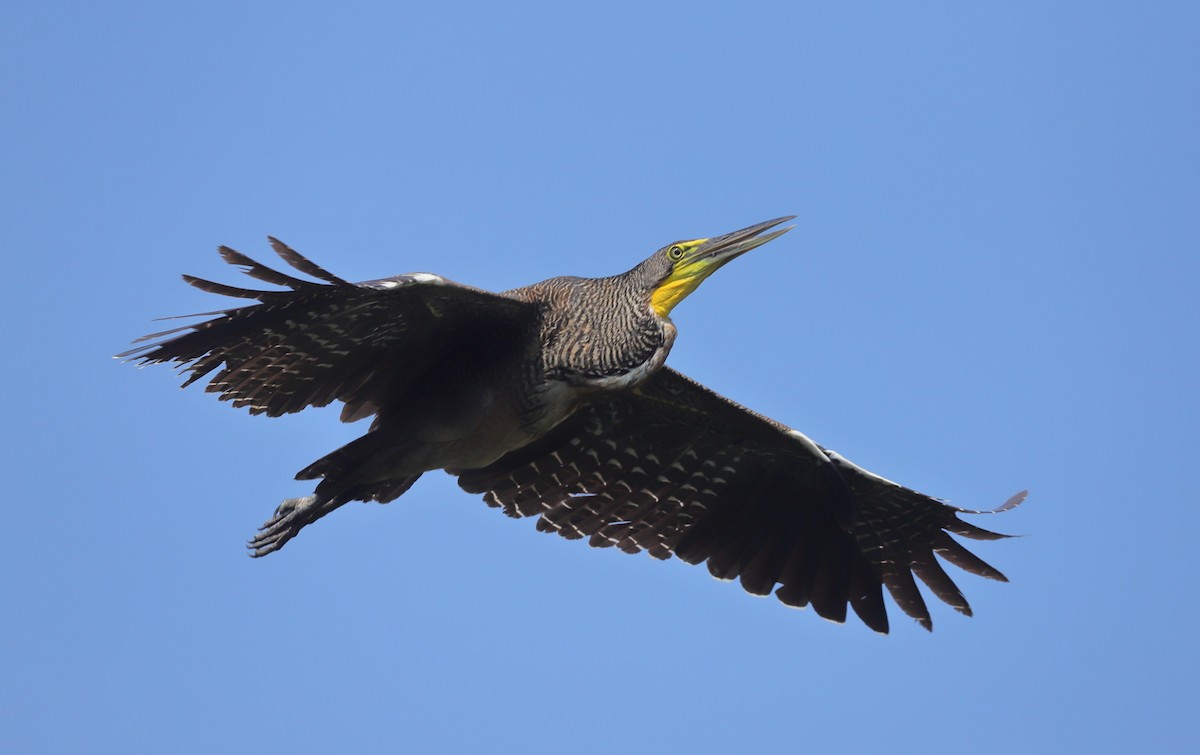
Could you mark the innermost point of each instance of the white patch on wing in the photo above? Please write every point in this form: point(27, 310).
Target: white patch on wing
point(407, 279)
point(427, 278)
point(806, 442)
point(840, 460)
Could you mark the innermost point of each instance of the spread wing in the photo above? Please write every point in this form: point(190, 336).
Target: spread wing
point(318, 342)
point(674, 468)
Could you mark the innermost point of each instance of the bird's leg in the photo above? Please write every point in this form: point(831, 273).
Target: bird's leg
point(291, 516)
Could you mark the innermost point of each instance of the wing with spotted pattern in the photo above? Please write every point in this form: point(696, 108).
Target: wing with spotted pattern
point(313, 343)
point(674, 468)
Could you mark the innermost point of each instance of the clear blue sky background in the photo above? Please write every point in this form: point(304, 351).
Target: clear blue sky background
point(992, 286)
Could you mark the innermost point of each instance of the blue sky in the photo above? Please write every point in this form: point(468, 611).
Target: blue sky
point(991, 286)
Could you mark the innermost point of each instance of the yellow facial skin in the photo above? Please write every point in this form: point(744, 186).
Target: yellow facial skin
point(693, 261)
point(687, 275)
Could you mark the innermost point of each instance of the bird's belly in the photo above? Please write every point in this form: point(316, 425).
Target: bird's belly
point(476, 425)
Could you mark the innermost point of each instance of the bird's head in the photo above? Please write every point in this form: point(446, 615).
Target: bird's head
point(682, 266)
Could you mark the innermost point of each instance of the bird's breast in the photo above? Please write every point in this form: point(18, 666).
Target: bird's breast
point(612, 364)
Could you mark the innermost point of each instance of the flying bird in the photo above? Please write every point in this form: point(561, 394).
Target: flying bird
point(552, 400)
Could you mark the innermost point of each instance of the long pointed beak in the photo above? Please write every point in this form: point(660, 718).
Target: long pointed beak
point(724, 248)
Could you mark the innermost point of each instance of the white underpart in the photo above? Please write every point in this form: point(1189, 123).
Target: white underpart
point(634, 377)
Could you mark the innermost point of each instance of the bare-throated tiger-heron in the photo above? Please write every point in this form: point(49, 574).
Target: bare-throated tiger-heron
point(552, 400)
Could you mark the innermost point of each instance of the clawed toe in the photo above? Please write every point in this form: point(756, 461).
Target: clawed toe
point(287, 521)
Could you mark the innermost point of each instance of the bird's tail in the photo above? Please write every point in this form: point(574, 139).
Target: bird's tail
point(378, 491)
point(359, 471)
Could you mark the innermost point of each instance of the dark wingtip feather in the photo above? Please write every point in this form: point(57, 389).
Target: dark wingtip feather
point(792, 594)
point(302, 263)
point(936, 579)
point(260, 271)
point(965, 529)
point(234, 257)
point(866, 596)
point(221, 289)
point(1013, 501)
point(949, 549)
point(900, 583)
point(870, 609)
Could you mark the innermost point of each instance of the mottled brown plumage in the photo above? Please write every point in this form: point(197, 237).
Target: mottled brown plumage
point(552, 401)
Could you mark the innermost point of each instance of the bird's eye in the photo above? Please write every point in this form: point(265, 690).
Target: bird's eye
point(675, 252)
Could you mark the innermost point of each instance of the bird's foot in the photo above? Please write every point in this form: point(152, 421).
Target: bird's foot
point(291, 516)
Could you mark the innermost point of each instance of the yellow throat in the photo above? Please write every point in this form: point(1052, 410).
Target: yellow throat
point(684, 279)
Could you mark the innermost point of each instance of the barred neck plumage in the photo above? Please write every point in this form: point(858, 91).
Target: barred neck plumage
point(601, 332)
